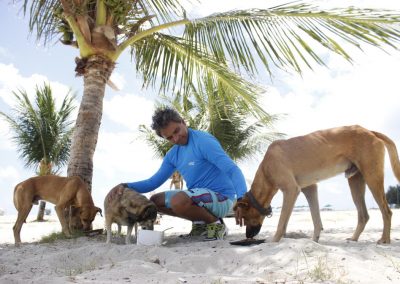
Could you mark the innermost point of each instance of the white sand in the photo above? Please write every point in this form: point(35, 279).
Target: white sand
point(293, 260)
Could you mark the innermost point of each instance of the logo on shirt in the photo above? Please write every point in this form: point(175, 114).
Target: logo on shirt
point(191, 163)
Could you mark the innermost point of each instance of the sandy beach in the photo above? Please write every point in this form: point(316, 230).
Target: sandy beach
point(295, 259)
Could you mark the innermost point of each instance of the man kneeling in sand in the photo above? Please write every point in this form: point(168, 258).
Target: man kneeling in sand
point(213, 180)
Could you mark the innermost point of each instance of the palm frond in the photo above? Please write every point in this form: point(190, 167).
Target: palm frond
point(167, 10)
point(277, 35)
point(41, 18)
point(182, 69)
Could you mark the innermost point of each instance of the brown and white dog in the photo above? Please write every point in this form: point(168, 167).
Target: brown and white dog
point(297, 164)
point(128, 209)
point(61, 191)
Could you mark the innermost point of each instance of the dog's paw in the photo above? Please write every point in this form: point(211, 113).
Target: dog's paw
point(383, 242)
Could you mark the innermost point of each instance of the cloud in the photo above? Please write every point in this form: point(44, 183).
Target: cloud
point(4, 53)
point(8, 173)
point(129, 110)
point(121, 154)
point(118, 79)
point(12, 81)
point(364, 93)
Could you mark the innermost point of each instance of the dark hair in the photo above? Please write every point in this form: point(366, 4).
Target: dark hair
point(162, 117)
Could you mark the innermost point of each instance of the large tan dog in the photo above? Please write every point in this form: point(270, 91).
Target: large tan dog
point(297, 164)
point(128, 208)
point(61, 191)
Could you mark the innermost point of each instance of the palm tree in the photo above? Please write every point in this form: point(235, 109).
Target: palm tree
point(41, 132)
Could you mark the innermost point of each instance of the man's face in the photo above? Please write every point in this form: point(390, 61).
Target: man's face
point(175, 132)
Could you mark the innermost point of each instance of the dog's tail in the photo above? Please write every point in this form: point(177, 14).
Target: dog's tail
point(393, 154)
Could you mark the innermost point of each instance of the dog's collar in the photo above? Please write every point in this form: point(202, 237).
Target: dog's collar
point(263, 211)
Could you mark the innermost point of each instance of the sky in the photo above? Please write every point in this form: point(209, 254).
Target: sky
point(365, 93)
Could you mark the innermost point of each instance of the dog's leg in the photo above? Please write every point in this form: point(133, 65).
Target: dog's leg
point(64, 225)
point(357, 188)
point(108, 229)
point(376, 186)
point(380, 199)
point(136, 227)
point(119, 230)
point(372, 169)
point(21, 218)
point(128, 234)
point(290, 194)
point(311, 194)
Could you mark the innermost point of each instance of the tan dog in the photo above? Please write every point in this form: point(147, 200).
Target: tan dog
point(297, 164)
point(61, 191)
point(128, 209)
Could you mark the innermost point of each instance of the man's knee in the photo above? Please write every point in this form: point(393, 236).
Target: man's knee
point(180, 200)
point(158, 199)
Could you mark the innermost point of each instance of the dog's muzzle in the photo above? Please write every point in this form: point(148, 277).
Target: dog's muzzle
point(147, 225)
point(86, 226)
point(252, 231)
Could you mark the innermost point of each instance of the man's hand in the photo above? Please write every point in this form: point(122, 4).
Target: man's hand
point(117, 191)
point(239, 216)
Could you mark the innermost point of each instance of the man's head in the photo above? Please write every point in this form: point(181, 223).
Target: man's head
point(167, 123)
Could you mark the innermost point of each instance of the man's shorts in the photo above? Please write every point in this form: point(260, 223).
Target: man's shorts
point(214, 202)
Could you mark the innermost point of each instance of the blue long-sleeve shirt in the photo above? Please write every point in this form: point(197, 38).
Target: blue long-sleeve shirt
point(203, 164)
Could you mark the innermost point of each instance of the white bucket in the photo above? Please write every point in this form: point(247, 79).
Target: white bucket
point(150, 238)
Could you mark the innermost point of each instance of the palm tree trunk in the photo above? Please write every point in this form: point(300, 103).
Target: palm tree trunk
point(40, 215)
point(44, 169)
point(96, 71)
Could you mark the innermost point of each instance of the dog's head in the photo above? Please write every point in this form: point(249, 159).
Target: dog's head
point(251, 215)
point(148, 217)
point(139, 209)
point(87, 215)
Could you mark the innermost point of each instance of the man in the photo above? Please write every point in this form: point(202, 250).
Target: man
point(213, 180)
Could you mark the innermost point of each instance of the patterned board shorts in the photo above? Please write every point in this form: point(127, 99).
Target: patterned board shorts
point(214, 202)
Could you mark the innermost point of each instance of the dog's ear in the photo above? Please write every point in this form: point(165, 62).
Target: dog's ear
point(100, 211)
point(150, 213)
